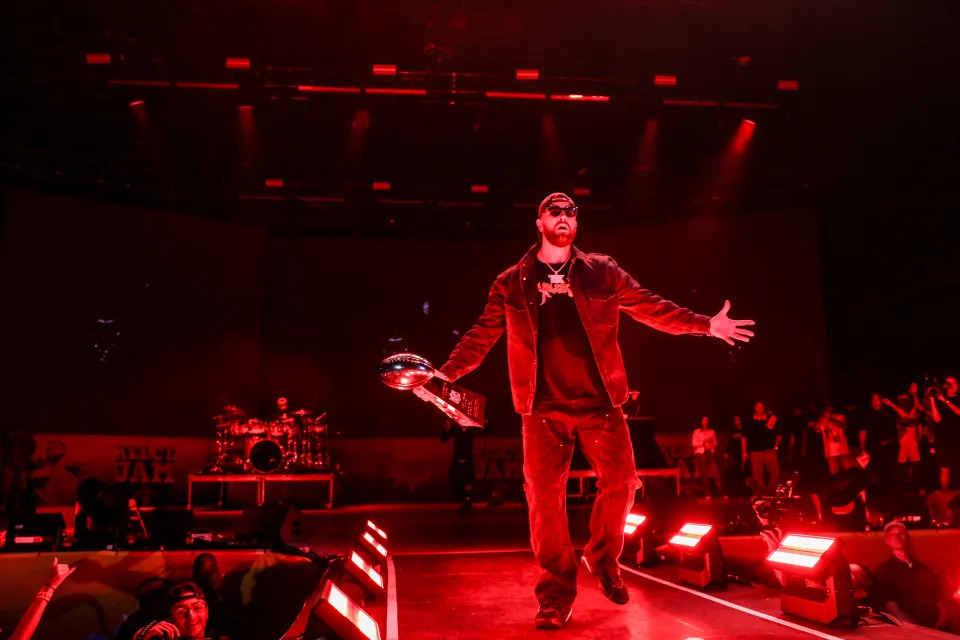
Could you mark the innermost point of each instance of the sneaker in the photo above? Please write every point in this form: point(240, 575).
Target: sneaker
point(553, 616)
point(612, 586)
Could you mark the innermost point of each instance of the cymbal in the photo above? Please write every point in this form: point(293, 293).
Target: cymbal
point(301, 412)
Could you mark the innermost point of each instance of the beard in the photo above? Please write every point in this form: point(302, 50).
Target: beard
point(563, 238)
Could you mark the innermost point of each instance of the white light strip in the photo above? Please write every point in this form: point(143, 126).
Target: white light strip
point(684, 541)
point(695, 529)
point(795, 559)
point(380, 532)
point(807, 543)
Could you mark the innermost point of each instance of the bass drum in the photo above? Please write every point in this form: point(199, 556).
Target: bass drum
point(266, 456)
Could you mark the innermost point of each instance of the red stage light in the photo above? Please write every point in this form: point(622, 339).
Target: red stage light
point(98, 58)
point(581, 191)
point(136, 103)
point(788, 85)
point(384, 69)
point(206, 85)
point(690, 535)
point(273, 183)
point(634, 521)
point(528, 74)
point(665, 81)
point(310, 88)
point(381, 186)
point(516, 95)
point(479, 188)
point(368, 576)
point(395, 92)
point(344, 616)
point(377, 530)
point(371, 545)
point(801, 551)
point(238, 63)
point(577, 97)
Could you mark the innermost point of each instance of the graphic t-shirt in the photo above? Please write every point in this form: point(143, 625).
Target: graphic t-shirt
point(567, 374)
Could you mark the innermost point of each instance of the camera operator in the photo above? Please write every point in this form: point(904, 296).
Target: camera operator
point(945, 411)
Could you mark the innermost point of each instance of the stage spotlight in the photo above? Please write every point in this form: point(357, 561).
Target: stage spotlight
point(701, 558)
point(375, 551)
point(817, 584)
point(638, 550)
point(380, 533)
point(345, 617)
point(365, 574)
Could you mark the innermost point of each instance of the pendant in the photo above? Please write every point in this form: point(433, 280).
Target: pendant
point(557, 278)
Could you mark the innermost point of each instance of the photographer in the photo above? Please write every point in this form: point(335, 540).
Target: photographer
point(945, 411)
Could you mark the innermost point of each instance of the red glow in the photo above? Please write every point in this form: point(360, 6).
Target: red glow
point(665, 81)
point(238, 63)
point(581, 191)
point(273, 183)
point(751, 105)
point(579, 97)
point(140, 83)
point(207, 85)
point(381, 186)
point(384, 69)
point(788, 85)
point(98, 58)
point(395, 92)
point(528, 74)
point(479, 188)
point(517, 95)
point(692, 103)
point(136, 103)
point(310, 88)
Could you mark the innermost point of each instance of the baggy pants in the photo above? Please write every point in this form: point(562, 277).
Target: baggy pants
point(548, 440)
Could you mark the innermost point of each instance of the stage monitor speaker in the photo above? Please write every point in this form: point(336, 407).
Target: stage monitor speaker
point(274, 526)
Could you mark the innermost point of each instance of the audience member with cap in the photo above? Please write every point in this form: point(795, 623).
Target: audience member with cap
point(187, 617)
point(907, 588)
point(152, 604)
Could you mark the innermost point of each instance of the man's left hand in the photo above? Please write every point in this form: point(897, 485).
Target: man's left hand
point(728, 329)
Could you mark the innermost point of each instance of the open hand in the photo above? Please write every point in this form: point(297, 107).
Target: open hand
point(728, 329)
point(59, 573)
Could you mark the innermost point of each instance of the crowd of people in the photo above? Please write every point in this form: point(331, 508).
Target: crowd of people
point(908, 445)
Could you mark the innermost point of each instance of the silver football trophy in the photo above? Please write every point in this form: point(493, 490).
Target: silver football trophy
point(410, 372)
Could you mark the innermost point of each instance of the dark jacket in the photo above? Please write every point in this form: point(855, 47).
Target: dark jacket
point(601, 290)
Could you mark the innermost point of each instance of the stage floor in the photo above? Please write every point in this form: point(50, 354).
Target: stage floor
point(490, 595)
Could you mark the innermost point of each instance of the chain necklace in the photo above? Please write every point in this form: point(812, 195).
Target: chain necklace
point(556, 277)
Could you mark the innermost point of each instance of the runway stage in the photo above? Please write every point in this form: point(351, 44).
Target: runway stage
point(490, 595)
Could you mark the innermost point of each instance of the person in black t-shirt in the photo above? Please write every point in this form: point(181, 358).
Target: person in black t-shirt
point(945, 409)
point(763, 440)
point(560, 309)
point(880, 437)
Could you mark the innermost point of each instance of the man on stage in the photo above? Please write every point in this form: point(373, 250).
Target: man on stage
point(560, 308)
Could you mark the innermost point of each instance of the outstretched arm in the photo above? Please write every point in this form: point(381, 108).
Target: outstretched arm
point(476, 343)
point(647, 307)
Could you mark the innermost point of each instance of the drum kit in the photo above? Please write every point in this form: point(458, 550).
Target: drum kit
point(295, 441)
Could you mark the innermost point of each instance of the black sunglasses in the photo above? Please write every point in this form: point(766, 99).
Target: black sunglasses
point(555, 211)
